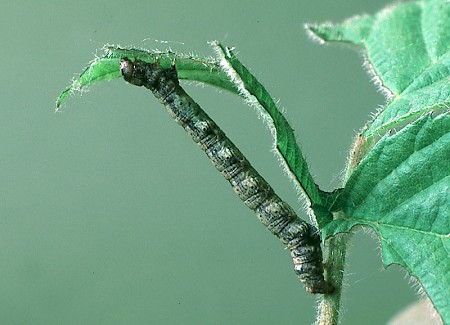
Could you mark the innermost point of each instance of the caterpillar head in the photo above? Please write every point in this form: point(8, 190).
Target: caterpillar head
point(127, 69)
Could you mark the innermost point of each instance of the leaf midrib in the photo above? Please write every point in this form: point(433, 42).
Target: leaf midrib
point(380, 224)
point(410, 116)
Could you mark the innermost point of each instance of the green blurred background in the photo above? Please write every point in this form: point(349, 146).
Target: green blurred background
point(111, 215)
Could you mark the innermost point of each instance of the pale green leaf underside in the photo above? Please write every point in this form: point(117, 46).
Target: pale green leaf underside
point(402, 190)
point(407, 49)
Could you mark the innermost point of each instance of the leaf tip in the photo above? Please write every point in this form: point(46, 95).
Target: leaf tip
point(315, 33)
point(224, 52)
point(61, 98)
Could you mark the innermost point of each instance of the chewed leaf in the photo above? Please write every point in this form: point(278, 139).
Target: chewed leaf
point(194, 68)
point(285, 142)
point(99, 69)
point(212, 71)
point(107, 67)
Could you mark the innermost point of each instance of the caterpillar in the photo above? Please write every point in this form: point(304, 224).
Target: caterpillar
point(301, 238)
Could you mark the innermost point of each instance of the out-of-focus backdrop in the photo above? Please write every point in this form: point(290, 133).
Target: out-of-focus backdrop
point(110, 214)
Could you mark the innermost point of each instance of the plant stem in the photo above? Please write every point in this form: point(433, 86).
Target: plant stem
point(334, 255)
point(335, 250)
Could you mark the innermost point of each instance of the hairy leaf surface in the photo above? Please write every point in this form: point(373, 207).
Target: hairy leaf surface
point(407, 48)
point(401, 187)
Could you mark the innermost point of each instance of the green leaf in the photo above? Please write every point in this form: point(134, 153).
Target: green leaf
point(107, 67)
point(285, 142)
point(407, 50)
point(401, 186)
point(402, 190)
point(99, 69)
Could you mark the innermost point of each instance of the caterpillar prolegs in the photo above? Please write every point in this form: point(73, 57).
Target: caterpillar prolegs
point(300, 237)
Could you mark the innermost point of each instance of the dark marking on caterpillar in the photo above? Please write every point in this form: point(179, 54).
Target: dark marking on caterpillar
point(301, 238)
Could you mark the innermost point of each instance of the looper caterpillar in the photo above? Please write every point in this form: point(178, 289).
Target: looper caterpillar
point(301, 238)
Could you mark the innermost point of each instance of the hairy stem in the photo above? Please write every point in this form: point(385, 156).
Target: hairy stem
point(329, 310)
point(334, 255)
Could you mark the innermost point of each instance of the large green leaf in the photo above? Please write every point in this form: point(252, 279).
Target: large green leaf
point(402, 190)
point(401, 187)
point(407, 50)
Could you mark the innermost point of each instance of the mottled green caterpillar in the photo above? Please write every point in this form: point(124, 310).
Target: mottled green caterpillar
point(301, 238)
